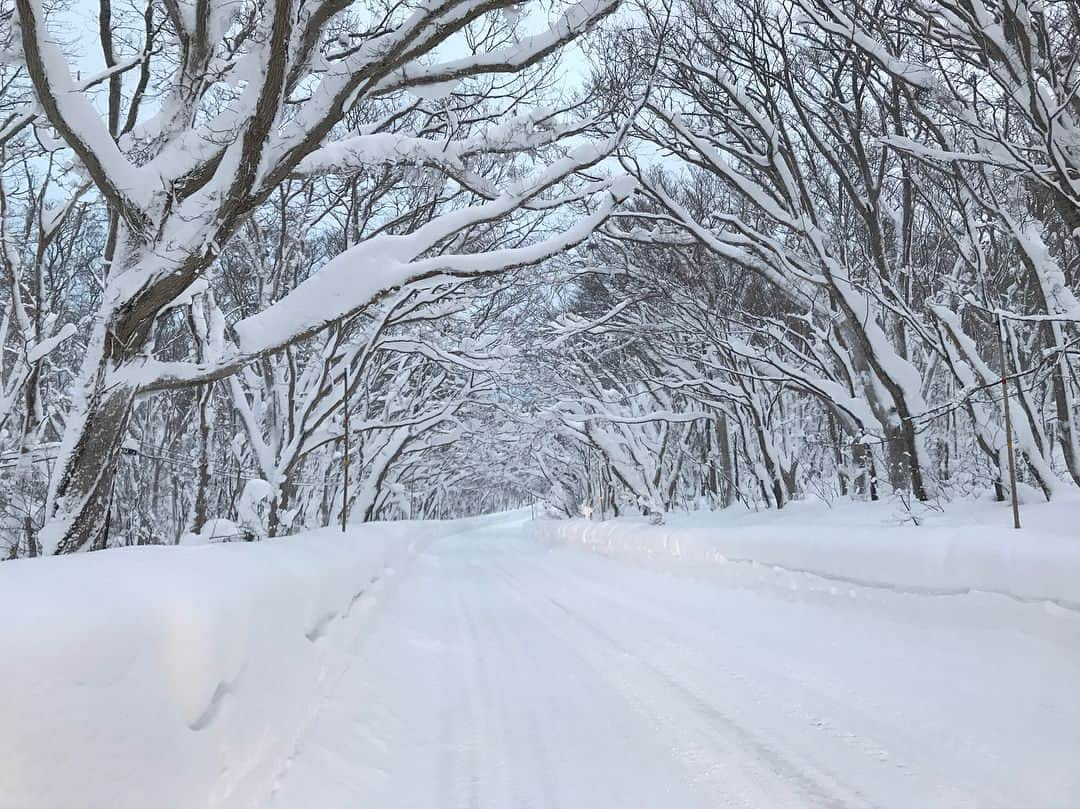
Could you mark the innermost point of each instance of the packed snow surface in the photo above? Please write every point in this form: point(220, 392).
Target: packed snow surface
point(970, 546)
point(509, 667)
point(179, 676)
point(511, 674)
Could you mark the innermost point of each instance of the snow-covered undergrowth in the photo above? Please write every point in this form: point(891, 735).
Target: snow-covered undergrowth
point(179, 676)
point(969, 546)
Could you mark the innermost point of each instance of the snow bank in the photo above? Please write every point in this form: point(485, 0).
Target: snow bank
point(178, 676)
point(970, 546)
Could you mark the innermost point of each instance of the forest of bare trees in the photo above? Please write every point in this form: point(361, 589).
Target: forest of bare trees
point(267, 260)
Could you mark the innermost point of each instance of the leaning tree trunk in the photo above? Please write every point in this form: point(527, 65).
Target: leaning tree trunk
point(81, 495)
point(893, 411)
point(80, 506)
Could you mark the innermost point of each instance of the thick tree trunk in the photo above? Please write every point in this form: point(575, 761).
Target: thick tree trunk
point(903, 454)
point(790, 479)
point(80, 506)
point(898, 460)
point(1065, 421)
point(200, 507)
point(279, 504)
point(79, 501)
point(727, 494)
point(775, 490)
point(838, 456)
point(866, 482)
point(273, 519)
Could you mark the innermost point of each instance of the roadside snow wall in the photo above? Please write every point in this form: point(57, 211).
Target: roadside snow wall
point(969, 547)
point(179, 677)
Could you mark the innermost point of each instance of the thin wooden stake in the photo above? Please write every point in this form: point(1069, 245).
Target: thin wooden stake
point(1008, 425)
point(345, 458)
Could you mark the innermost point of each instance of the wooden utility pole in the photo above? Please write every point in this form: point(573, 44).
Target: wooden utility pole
point(1008, 424)
point(345, 457)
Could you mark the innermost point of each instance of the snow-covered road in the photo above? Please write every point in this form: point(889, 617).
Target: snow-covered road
point(504, 674)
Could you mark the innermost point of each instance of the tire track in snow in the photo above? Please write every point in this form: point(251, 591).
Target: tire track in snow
point(707, 753)
point(969, 776)
point(515, 677)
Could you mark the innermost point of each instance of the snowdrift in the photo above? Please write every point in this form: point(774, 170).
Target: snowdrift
point(179, 676)
point(970, 547)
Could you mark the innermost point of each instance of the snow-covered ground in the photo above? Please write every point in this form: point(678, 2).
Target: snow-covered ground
point(510, 674)
point(180, 676)
point(968, 546)
point(505, 669)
